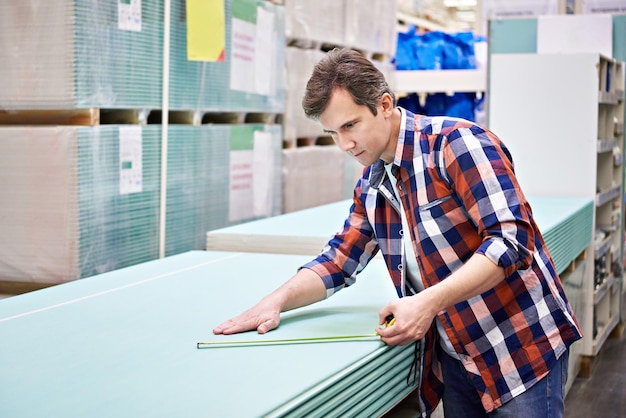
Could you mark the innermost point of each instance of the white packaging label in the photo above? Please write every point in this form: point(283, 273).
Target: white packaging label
point(241, 192)
point(253, 54)
point(129, 15)
point(263, 168)
point(131, 180)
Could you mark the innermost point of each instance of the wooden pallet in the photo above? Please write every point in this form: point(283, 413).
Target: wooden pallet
point(308, 141)
point(328, 46)
point(204, 117)
point(81, 117)
point(575, 262)
point(8, 287)
point(99, 116)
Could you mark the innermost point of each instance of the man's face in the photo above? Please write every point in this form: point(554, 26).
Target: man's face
point(356, 130)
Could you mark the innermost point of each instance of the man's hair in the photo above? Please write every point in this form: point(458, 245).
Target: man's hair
point(349, 70)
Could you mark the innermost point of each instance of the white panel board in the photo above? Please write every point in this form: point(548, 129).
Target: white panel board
point(544, 108)
point(575, 34)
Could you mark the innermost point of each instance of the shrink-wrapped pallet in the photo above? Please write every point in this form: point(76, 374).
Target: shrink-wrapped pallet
point(220, 175)
point(65, 54)
point(300, 63)
point(317, 175)
point(77, 201)
point(251, 76)
point(197, 184)
point(371, 26)
point(321, 21)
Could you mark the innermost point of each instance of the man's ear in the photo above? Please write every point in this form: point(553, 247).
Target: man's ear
point(386, 101)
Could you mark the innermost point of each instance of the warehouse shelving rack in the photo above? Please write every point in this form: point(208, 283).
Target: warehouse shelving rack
point(570, 147)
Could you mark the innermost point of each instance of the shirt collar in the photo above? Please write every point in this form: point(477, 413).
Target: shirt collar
point(404, 148)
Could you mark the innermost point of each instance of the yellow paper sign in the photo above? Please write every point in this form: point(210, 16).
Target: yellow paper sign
point(205, 30)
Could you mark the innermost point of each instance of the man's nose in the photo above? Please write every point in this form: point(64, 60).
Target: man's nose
point(345, 142)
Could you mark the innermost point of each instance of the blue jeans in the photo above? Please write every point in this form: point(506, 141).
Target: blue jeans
point(544, 400)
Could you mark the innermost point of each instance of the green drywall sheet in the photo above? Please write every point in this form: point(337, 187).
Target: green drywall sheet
point(116, 230)
point(124, 344)
point(619, 37)
point(513, 36)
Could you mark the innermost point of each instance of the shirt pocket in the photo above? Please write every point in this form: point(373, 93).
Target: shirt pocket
point(429, 205)
point(442, 215)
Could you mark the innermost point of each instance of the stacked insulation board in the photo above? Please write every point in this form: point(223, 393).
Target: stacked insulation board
point(140, 358)
point(79, 200)
point(64, 54)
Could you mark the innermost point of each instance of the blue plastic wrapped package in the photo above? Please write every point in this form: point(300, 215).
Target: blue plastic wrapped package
point(412, 103)
point(429, 50)
point(459, 105)
point(405, 58)
point(458, 51)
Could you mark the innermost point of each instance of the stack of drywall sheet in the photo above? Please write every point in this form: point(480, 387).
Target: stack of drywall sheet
point(251, 76)
point(365, 25)
point(64, 54)
point(566, 224)
point(316, 175)
point(220, 175)
point(301, 232)
point(322, 21)
point(197, 184)
point(77, 201)
point(111, 345)
point(371, 26)
point(300, 63)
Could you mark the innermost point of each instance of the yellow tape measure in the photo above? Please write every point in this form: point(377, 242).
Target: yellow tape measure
point(389, 321)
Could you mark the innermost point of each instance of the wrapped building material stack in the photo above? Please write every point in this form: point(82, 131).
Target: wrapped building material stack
point(73, 54)
point(219, 175)
point(251, 76)
point(81, 141)
point(69, 207)
point(240, 96)
point(312, 29)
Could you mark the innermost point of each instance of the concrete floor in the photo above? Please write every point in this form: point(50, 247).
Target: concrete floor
point(604, 393)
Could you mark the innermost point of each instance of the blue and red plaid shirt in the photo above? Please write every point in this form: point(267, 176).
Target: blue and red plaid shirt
point(461, 197)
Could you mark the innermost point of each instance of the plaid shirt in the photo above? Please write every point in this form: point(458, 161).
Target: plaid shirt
point(457, 185)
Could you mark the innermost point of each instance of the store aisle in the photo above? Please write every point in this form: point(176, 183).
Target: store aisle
point(604, 393)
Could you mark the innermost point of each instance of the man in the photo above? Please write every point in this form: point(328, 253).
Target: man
point(440, 200)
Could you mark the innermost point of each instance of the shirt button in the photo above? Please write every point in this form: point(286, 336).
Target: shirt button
point(400, 267)
point(401, 232)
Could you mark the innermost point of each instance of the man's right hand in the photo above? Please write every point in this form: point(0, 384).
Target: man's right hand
point(260, 317)
point(304, 288)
